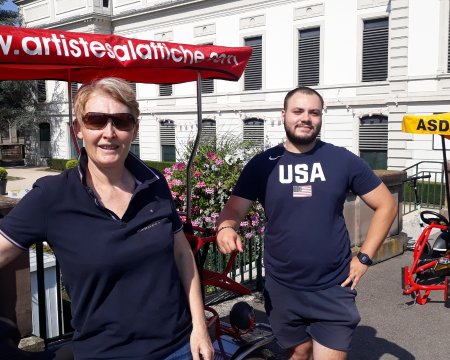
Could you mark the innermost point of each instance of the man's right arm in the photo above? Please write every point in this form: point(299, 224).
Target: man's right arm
point(229, 221)
point(8, 251)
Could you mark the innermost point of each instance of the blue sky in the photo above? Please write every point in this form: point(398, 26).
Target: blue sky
point(9, 5)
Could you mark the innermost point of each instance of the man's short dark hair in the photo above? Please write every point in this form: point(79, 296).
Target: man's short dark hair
point(304, 90)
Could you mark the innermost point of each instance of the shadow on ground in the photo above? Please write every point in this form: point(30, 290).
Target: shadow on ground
point(366, 345)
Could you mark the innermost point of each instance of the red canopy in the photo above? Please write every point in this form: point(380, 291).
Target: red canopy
point(60, 55)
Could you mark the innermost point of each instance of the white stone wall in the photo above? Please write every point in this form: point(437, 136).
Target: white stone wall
point(418, 79)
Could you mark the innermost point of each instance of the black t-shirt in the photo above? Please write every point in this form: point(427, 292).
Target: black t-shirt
point(127, 298)
point(306, 243)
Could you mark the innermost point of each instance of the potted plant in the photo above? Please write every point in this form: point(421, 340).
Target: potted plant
point(3, 180)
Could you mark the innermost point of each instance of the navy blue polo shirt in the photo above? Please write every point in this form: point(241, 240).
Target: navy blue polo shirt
point(306, 242)
point(127, 298)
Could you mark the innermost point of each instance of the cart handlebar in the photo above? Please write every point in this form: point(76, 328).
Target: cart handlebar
point(417, 177)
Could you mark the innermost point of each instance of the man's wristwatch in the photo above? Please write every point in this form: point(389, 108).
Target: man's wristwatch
point(364, 259)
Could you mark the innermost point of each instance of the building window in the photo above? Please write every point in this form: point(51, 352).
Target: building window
point(167, 137)
point(165, 89)
point(74, 88)
point(132, 85)
point(207, 86)
point(254, 131)
point(44, 140)
point(253, 71)
point(41, 91)
point(135, 148)
point(375, 50)
point(308, 57)
point(208, 131)
point(373, 140)
point(105, 3)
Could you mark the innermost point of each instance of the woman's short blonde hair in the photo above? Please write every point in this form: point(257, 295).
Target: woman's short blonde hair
point(118, 89)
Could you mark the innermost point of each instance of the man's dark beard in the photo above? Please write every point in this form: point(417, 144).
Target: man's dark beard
point(301, 141)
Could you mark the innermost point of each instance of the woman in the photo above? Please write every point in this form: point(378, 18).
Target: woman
point(112, 225)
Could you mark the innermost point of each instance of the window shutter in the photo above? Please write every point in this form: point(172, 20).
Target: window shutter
point(253, 71)
point(73, 88)
point(208, 130)
point(132, 85)
point(207, 86)
point(41, 91)
point(309, 57)
point(167, 132)
point(165, 89)
point(373, 140)
point(375, 50)
point(254, 131)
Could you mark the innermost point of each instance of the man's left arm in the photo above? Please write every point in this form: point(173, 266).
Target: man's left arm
point(383, 203)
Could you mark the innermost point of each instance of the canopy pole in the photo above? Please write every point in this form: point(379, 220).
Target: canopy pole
point(72, 130)
point(194, 148)
point(444, 151)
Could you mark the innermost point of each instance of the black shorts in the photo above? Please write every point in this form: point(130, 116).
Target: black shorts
point(328, 316)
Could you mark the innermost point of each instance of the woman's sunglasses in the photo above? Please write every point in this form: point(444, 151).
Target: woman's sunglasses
point(98, 121)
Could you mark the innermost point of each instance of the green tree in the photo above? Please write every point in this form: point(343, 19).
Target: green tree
point(8, 17)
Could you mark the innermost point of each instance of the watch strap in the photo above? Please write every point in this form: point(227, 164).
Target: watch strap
point(364, 259)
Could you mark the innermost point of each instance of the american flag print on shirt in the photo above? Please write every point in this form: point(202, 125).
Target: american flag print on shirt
point(302, 191)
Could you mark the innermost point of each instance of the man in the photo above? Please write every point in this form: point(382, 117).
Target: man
point(310, 273)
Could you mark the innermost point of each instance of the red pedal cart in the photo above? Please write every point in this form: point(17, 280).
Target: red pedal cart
point(430, 268)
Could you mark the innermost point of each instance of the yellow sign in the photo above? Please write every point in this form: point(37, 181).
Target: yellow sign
point(427, 124)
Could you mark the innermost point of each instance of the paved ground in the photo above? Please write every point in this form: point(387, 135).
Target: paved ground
point(26, 176)
point(392, 326)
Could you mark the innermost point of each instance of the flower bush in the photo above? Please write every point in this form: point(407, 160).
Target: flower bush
point(215, 170)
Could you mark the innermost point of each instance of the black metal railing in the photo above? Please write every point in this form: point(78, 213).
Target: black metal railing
point(426, 192)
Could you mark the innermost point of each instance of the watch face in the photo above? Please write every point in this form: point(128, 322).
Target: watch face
point(364, 259)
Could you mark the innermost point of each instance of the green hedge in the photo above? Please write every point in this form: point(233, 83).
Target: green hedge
point(57, 164)
point(429, 193)
point(159, 165)
point(60, 164)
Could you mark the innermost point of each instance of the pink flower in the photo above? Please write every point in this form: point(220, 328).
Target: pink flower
point(211, 156)
point(183, 197)
point(174, 194)
point(209, 191)
point(195, 223)
point(168, 171)
point(244, 223)
point(179, 166)
point(248, 235)
point(197, 174)
point(219, 161)
point(200, 185)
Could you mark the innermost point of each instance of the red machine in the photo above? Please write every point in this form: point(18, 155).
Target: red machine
point(430, 270)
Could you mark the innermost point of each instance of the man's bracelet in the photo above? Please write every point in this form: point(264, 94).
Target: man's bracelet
point(225, 227)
